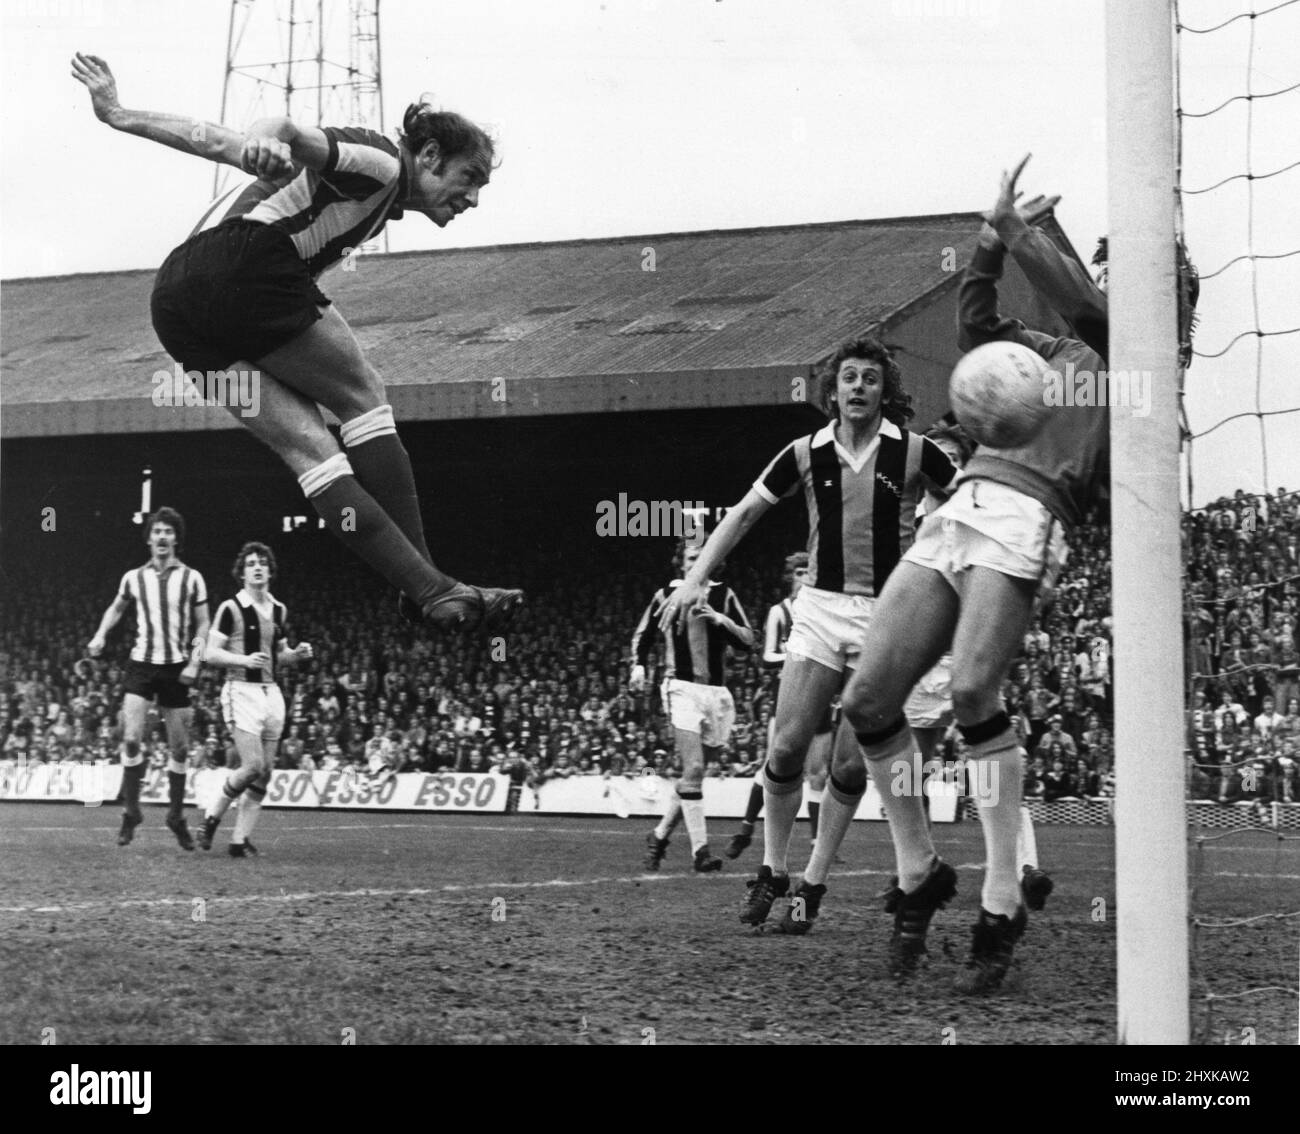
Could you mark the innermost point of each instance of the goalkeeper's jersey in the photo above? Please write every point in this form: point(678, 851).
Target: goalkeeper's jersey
point(1067, 464)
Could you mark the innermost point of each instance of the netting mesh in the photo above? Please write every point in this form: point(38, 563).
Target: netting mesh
point(1238, 99)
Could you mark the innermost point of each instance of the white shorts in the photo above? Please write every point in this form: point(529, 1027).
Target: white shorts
point(929, 705)
point(829, 627)
point(251, 706)
point(986, 524)
point(706, 709)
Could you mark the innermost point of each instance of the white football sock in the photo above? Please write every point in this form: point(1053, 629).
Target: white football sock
point(998, 794)
point(1027, 844)
point(669, 821)
point(696, 828)
point(837, 813)
point(781, 806)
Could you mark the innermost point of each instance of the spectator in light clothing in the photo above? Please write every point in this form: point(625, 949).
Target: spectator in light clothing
point(1038, 637)
point(1268, 721)
point(1054, 735)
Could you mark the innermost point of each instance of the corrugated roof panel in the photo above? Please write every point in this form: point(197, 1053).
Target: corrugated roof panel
point(740, 300)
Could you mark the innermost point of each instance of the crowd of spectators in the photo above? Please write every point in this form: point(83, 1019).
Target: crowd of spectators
point(550, 700)
point(1243, 601)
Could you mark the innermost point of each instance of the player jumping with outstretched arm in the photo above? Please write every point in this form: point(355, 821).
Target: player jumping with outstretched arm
point(695, 696)
point(862, 477)
point(242, 298)
point(249, 638)
point(171, 621)
point(776, 631)
point(971, 579)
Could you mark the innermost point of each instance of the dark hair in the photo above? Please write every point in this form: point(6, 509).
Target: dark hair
point(796, 562)
point(943, 430)
point(455, 135)
point(895, 405)
point(166, 516)
point(252, 548)
point(1189, 291)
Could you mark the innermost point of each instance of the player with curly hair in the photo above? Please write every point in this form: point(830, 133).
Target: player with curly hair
point(861, 478)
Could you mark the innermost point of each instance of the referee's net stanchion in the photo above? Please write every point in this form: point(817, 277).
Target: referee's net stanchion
point(1261, 994)
point(1151, 834)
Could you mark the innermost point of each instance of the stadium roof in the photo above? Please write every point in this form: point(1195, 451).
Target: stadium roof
point(574, 326)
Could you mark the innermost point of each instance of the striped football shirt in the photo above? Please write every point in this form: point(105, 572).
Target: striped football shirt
point(697, 653)
point(776, 631)
point(165, 604)
point(326, 213)
point(248, 630)
point(861, 511)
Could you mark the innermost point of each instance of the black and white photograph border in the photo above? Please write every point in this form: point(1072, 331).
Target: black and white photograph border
point(416, 637)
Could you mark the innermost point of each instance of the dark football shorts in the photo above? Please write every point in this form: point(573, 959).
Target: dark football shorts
point(162, 681)
point(233, 293)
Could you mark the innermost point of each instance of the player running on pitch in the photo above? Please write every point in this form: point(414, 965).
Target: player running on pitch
point(861, 477)
point(171, 620)
point(695, 696)
point(971, 579)
point(249, 640)
point(242, 298)
point(776, 631)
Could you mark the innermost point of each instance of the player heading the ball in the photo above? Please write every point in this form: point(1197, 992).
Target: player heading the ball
point(242, 297)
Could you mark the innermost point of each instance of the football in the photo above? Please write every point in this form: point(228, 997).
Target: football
point(996, 392)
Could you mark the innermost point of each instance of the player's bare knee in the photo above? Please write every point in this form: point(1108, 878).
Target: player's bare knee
point(866, 712)
point(973, 701)
point(786, 754)
point(362, 392)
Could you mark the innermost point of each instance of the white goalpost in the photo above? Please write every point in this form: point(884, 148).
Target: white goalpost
point(1150, 824)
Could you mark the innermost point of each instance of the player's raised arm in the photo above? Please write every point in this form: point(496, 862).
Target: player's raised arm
point(978, 319)
point(180, 132)
point(1061, 281)
point(733, 528)
point(307, 145)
